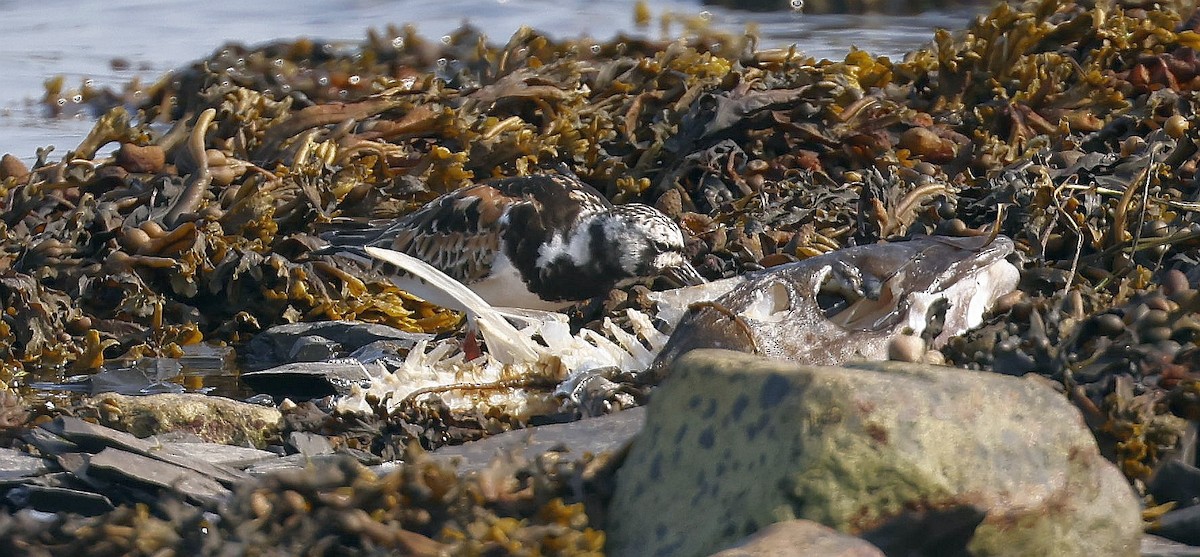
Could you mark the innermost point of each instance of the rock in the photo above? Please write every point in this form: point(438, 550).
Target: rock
point(121, 466)
point(215, 419)
point(309, 444)
point(734, 442)
point(295, 462)
point(275, 345)
point(214, 453)
point(308, 380)
point(313, 349)
point(95, 438)
point(1175, 481)
point(1182, 525)
point(59, 499)
point(800, 538)
point(604, 434)
point(16, 464)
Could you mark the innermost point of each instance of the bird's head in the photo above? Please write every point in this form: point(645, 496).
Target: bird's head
point(649, 243)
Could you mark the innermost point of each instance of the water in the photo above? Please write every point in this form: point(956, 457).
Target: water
point(81, 40)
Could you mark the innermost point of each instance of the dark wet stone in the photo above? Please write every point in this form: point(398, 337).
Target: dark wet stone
point(59, 500)
point(16, 464)
point(1176, 481)
point(310, 444)
point(1182, 525)
point(275, 345)
point(313, 349)
point(117, 465)
point(215, 453)
point(603, 434)
point(306, 380)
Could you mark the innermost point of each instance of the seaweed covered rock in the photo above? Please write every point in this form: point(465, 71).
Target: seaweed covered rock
point(213, 418)
point(734, 443)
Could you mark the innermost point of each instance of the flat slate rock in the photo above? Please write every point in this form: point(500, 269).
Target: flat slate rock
point(294, 462)
point(602, 434)
point(17, 464)
point(306, 380)
point(274, 346)
point(96, 438)
point(52, 499)
point(215, 453)
point(112, 463)
point(308, 443)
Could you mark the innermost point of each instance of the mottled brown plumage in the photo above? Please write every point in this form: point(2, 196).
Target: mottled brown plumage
point(540, 241)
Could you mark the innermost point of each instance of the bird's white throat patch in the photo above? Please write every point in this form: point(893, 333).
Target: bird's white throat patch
point(574, 246)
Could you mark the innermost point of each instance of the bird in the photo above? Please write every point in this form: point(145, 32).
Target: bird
point(537, 242)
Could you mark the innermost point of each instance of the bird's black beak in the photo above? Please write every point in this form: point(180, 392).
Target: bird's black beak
point(684, 275)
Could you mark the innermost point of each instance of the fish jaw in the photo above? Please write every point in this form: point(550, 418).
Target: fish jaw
point(779, 313)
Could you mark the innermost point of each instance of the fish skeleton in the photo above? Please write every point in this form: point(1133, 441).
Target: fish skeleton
point(849, 304)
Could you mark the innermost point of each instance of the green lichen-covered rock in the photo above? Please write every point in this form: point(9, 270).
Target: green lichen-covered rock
point(734, 443)
point(215, 419)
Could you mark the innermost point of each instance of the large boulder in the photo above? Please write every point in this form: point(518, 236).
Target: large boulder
point(735, 442)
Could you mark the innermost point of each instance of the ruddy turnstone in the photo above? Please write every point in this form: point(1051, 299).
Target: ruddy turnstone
point(537, 242)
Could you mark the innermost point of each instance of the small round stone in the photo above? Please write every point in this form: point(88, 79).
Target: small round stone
point(906, 348)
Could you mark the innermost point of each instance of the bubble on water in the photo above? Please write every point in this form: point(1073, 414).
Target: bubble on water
point(446, 39)
point(88, 82)
point(595, 49)
point(398, 43)
point(441, 62)
point(706, 15)
point(278, 62)
point(354, 79)
point(77, 99)
point(323, 80)
point(714, 48)
point(797, 5)
point(62, 102)
point(408, 82)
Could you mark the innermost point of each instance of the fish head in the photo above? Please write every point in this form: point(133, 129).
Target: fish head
point(850, 304)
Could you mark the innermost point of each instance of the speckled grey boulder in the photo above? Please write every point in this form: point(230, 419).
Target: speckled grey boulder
point(734, 443)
